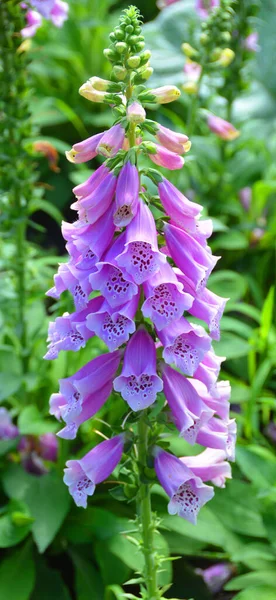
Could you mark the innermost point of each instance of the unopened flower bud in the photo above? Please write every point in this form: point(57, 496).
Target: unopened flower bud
point(216, 54)
point(119, 33)
point(190, 87)
point(109, 54)
point(90, 93)
point(189, 50)
point(140, 46)
point(222, 128)
point(204, 38)
point(227, 56)
point(226, 36)
point(163, 95)
point(145, 56)
point(121, 47)
point(134, 61)
point(103, 85)
point(136, 113)
point(119, 72)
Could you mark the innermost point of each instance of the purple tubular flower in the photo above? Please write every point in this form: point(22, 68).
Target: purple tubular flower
point(136, 113)
point(44, 7)
point(87, 244)
point(74, 280)
point(193, 259)
point(165, 299)
point(207, 306)
point(83, 475)
point(218, 402)
point(34, 21)
point(175, 142)
point(79, 387)
point(59, 13)
point(141, 257)
point(176, 205)
point(89, 186)
point(203, 8)
point(115, 284)
point(188, 410)
point(89, 408)
point(186, 491)
point(127, 195)
point(184, 345)
point(223, 129)
point(209, 465)
point(8, 431)
point(84, 151)
point(48, 447)
point(114, 326)
point(208, 370)
point(220, 435)
point(94, 205)
point(112, 141)
point(69, 332)
point(166, 158)
point(139, 382)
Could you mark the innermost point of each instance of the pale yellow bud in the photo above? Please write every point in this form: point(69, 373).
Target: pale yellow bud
point(190, 87)
point(227, 56)
point(90, 93)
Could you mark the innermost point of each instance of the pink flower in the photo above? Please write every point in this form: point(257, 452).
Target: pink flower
point(222, 128)
point(203, 7)
point(34, 21)
point(251, 42)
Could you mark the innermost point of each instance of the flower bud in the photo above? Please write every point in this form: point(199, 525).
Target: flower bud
point(190, 87)
point(104, 85)
point(140, 46)
point(90, 93)
point(109, 54)
point(161, 95)
point(145, 56)
point(136, 113)
point(188, 50)
point(227, 56)
point(142, 76)
point(119, 72)
point(119, 33)
point(133, 61)
point(121, 47)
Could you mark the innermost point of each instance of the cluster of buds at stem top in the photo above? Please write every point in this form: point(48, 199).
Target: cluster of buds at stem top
point(134, 283)
point(51, 10)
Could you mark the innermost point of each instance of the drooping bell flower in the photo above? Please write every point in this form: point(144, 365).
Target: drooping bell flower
point(193, 259)
point(188, 410)
point(111, 141)
point(84, 151)
point(59, 13)
point(209, 465)
point(208, 370)
point(92, 404)
point(203, 7)
point(223, 129)
point(65, 332)
point(165, 299)
point(141, 257)
point(74, 390)
point(114, 283)
point(94, 205)
point(8, 431)
point(167, 159)
point(89, 186)
point(206, 306)
point(114, 326)
point(186, 491)
point(139, 382)
point(177, 206)
point(44, 7)
point(83, 475)
point(127, 195)
point(218, 402)
point(87, 243)
point(173, 141)
point(184, 344)
point(48, 446)
point(220, 435)
point(33, 451)
point(74, 280)
point(33, 22)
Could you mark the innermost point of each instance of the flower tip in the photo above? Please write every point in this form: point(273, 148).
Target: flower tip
point(71, 155)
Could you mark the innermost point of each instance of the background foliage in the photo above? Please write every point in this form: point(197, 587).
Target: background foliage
point(83, 555)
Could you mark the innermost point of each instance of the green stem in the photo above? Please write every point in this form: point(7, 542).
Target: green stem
point(191, 119)
point(145, 514)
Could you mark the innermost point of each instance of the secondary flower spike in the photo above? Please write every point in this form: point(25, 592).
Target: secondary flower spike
point(138, 268)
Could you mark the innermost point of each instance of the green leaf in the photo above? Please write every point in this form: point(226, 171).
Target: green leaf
point(9, 384)
point(17, 574)
point(228, 284)
point(88, 580)
point(47, 207)
point(234, 240)
point(83, 526)
point(267, 314)
point(258, 592)
point(30, 422)
point(257, 464)
point(256, 550)
point(46, 497)
point(114, 592)
point(11, 530)
point(267, 578)
point(237, 508)
point(231, 346)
